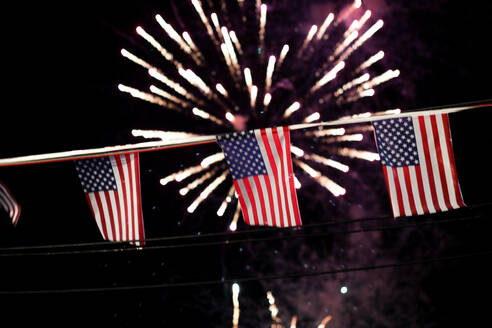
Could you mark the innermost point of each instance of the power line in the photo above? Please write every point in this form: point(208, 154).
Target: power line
point(237, 241)
point(292, 275)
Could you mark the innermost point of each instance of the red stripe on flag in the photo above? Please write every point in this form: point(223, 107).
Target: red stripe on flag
point(280, 153)
point(141, 230)
point(420, 188)
point(291, 177)
point(408, 184)
point(447, 132)
point(242, 202)
point(132, 208)
point(440, 159)
point(399, 195)
point(430, 174)
point(262, 199)
point(273, 165)
point(254, 208)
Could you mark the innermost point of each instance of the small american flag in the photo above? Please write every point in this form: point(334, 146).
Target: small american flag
point(418, 164)
point(9, 204)
point(261, 168)
point(112, 188)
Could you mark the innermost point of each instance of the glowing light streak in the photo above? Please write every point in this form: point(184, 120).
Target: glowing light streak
point(135, 59)
point(163, 135)
point(309, 37)
point(227, 57)
point(220, 88)
point(200, 113)
point(296, 150)
point(263, 18)
point(324, 321)
point(196, 81)
point(273, 308)
point(297, 183)
point(171, 32)
point(359, 93)
point(230, 117)
point(327, 132)
point(313, 117)
point(358, 80)
point(326, 23)
point(364, 18)
point(150, 39)
point(254, 94)
point(203, 18)
point(328, 76)
point(327, 161)
point(283, 54)
point(247, 78)
point(237, 212)
point(169, 96)
point(209, 160)
point(230, 50)
point(267, 99)
point(363, 38)
point(269, 72)
point(236, 42)
point(226, 201)
point(291, 109)
point(186, 36)
point(215, 21)
point(235, 302)
point(370, 61)
point(181, 175)
point(293, 322)
point(386, 76)
point(197, 182)
point(207, 191)
point(355, 153)
point(148, 97)
point(348, 40)
point(322, 180)
point(173, 85)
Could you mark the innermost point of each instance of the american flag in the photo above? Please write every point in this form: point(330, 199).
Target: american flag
point(418, 164)
point(9, 204)
point(261, 168)
point(112, 187)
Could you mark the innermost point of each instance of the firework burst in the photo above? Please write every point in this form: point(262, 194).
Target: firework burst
point(239, 68)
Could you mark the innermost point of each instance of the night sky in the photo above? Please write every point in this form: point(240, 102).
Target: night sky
point(62, 69)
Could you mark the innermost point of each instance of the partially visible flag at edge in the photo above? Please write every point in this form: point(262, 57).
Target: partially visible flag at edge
point(418, 164)
point(112, 188)
point(261, 167)
point(9, 204)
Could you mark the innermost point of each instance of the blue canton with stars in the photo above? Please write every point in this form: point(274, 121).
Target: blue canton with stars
point(242, 153)
point(396, 142)
point(96, 174)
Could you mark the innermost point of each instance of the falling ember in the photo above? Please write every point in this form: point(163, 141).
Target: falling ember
point(358, 80)
point(370, 61)
point(171, 32)
point(220, 88)
point(345, 138)
point(313, 117)
point(230, 117)
point(327, 162)
point(150, 39)
point(283, 54)
point(135, 59)
point(328, 76)
point(267, 99)
point(169, 96)
point(248, 78)
point(207, 116)
point(209, 160)
point(364, 37)
point(197, 182)
point(309, 37)
point(293, 322)
point(181, 175)
point(263, 18)
point(355, 153)
point(226, 201)
point(327, 132)
point(254, 94)
point(269, 73)
point(147, 97)
point(236, 42)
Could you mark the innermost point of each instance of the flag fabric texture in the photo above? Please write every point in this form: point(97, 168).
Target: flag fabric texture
point(112, 188)
point(418, 164)
point(9, 204)
point(261, 167)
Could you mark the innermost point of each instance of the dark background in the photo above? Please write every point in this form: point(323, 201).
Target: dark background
point(62, 68)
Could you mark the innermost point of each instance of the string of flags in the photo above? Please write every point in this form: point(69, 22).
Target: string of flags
point(415, 150)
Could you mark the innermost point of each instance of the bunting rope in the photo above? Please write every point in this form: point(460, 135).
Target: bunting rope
point(161, 145)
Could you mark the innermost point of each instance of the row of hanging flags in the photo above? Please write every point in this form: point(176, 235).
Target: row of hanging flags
point(416, 156)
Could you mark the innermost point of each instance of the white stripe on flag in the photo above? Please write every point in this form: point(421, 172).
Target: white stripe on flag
point(275, 197)
point(276, 157)
point(423, 166)
point(6, 205)
point(446, 162)
point(134, 191)
point(256, 197)
point(116, 218)
point(107, 217)
point(286, 157)
point(265, 199)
